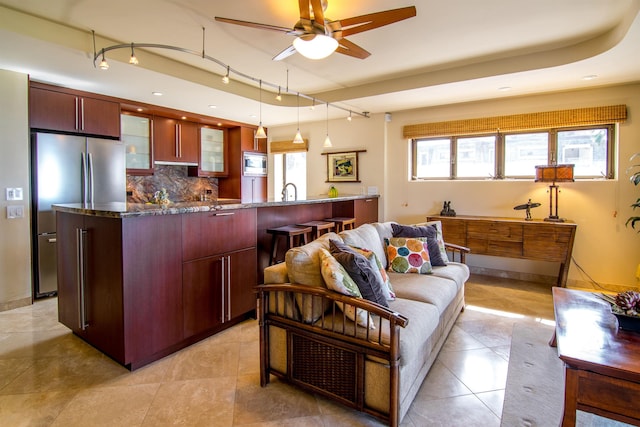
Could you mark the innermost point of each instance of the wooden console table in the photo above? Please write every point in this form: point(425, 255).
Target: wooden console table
point(602, 362)
point(513, 238)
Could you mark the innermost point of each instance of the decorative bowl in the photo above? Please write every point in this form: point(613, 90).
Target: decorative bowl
point(626, 322)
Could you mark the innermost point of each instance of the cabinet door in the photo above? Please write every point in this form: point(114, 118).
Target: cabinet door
point(68, 279)
point(242, 267)
point(254, 189)
point(99, 117)
point(136, 137)
point(365, 211)
point(50, 110)
point(249, 143)
point(175, 140)
point(202, 283)
point(213, 158)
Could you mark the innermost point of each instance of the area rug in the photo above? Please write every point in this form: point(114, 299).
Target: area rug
point(534, 394)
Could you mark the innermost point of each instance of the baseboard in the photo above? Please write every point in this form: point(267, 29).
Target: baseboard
point(514, 275)
point(10, 305)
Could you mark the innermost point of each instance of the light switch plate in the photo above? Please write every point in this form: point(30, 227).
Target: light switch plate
point(372, 191)
point(15, 211)
point(14, 193)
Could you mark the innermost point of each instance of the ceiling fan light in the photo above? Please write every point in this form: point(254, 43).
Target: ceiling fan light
point(317, 46)
point(298, 138)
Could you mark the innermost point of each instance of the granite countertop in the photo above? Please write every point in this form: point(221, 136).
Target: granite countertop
point(126, 210)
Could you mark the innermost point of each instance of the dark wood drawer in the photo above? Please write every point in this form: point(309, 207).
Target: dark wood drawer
point(494, 231)
point(453, 231)
point(611, 394)
point(547, 243)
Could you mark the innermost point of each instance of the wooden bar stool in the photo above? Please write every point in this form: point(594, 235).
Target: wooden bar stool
point(343, 223)
point(318, 227)
point(296, 236)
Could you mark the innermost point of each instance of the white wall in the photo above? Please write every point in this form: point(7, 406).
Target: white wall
point(15, 245)
point(607, 250)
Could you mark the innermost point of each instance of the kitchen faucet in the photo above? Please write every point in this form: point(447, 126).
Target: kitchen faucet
point(284, 191)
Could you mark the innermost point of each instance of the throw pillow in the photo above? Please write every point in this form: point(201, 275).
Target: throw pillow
point(443, 250)
point(371, 256)
point(338, 280)
point(428, 231)
point(408, 255)
point(360, 270)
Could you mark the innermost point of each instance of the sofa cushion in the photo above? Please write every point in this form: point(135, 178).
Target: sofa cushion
point(437, 291)
point(366, 236)
point(428, 231)
point(455, 271)
point(303, 268)
point(361, 271)
point(408, 255)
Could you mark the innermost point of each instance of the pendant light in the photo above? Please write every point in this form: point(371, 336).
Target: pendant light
point(260, 133)
point(327, 140)
point(225, 78)
point(298, 138)
point(133, 60)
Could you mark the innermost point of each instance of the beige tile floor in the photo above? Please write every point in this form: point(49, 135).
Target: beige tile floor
point(48, 377)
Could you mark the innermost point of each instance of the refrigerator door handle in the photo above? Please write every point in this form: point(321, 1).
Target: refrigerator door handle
point(90, 157)
point(83, 172)
point(80, 281)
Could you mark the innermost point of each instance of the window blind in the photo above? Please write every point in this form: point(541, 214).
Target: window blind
point(519, 122)
point(277, 147)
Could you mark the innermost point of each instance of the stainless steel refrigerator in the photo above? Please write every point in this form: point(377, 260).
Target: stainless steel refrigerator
point(69, 169)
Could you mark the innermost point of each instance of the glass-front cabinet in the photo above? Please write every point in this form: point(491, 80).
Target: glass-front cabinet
point(136, 137)
point(213, 153)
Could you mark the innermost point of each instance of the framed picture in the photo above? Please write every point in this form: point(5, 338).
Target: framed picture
point(342, 167)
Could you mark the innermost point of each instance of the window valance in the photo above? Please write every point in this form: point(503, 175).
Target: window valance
point(519, 122)
point(276, 147)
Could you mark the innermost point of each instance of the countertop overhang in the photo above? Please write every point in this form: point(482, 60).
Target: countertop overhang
point(127, 210)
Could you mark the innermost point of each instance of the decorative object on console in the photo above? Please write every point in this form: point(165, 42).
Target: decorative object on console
point(553, 174)
point(446, 209)
point(527, 206)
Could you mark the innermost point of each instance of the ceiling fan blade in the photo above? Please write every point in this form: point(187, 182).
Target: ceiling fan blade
point(370, 21)
point(257, 25)
point(318, 13)
point(349, 48)
point(285, 53)
point(304, 9)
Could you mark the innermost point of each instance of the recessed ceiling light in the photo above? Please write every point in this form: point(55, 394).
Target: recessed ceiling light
point(219, 124)
point(504, 88)
point(184, 117)
point(156, 93)
point(213, 106)
point(139, 109)
point(590, 77)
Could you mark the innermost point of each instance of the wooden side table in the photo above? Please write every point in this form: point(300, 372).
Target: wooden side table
point(513, 238)
point(602, 362)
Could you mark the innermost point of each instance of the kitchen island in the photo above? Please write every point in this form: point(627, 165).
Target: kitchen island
point(141, 281)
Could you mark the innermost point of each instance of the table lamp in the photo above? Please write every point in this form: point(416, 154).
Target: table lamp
point(553, 174)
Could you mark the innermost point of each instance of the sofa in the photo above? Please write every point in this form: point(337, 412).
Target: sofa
point(358, 352)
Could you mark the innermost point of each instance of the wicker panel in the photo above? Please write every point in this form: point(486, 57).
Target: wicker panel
point(324, 366)
point(288, 146)
point(517, 122)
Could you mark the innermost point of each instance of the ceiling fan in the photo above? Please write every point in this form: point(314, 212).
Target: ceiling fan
point(318, 37)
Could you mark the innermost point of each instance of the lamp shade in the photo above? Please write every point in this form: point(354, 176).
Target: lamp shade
point(315, 46)
point(554, 173)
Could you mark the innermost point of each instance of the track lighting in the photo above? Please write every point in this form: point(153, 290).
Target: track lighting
point(225, 79)
point(327, 140)
point(313, 104)
point(349, 118)
point(260, 133)
point(298, 138)
point(279, 95)
point(104, 65)
point(133, 60)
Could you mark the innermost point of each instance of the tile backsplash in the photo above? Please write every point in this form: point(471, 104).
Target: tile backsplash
point(180, 186)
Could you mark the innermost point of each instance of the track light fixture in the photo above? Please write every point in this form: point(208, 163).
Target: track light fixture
point(349, 118)
point(298, 138)
point(225, 79)
point(260, 133)
point(104, 65)
point(279, 95)
point(133, 60)
point(327, 140)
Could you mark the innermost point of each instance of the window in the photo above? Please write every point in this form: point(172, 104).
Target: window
point(290, 168)
point(515, 154)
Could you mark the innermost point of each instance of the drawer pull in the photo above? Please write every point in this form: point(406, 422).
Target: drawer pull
point(223, 214)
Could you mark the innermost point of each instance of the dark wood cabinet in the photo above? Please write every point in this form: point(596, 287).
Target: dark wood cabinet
point(365, 211)
point(219, 270)
point(73, 112)
point(248, 189)
point(175, 141)
point(122, 299)
point(513, 238)
point(212, 153)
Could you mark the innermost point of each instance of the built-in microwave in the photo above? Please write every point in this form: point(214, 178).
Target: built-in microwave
point(254, 164)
